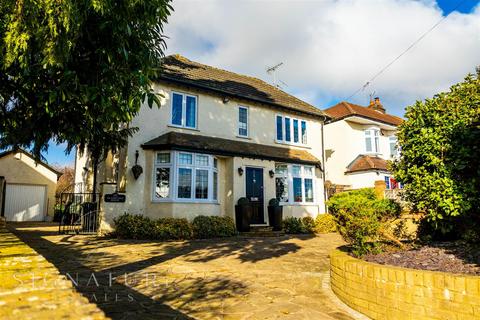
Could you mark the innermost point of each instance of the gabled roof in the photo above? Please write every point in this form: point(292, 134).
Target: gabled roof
point(345, 109)
point(367, 163)
point(227, 147)
point(28, 154)
point(179, 69)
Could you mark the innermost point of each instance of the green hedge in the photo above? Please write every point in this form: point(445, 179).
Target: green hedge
point(130, 226)
point(205, 227)
point(292, 225)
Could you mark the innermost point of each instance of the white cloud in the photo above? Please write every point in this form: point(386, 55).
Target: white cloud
point(330, 48)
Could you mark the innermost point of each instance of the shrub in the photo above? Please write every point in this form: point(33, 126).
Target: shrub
point(361, 218)
point(130, 226)
point(172, 229)
point(292, 225)
point(205, 227)
point(325, 223)
point(440, 160)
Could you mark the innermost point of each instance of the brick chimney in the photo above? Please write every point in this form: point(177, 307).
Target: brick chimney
point(376, 105)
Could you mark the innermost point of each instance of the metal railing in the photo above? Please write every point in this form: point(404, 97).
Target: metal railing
point(80, 213)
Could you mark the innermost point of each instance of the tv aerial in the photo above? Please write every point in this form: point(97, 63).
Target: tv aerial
point(273, 72)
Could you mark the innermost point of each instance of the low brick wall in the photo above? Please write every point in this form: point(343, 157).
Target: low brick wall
point(386, 292)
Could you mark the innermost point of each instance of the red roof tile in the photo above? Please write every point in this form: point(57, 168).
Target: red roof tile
point(344, 109)
point(367, 163)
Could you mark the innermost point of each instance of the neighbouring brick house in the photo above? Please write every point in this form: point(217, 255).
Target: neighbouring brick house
point(358, 143)
point(218, 136)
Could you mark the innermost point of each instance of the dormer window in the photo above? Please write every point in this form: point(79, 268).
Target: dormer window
point(372, 140)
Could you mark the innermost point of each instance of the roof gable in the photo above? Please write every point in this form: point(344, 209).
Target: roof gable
point(176, 68)
point(28, 154)
point(345, 109)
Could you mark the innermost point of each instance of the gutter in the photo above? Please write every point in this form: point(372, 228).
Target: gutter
point(324, 166)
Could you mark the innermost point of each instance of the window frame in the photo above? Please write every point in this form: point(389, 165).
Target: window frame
point(302, 175)
point(184, 110)
point(374, 135)
point(175, 166)
point(301, 140)
point(393, 140)
point(240, 107)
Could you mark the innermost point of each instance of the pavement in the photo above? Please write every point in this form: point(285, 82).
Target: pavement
point(283, 277)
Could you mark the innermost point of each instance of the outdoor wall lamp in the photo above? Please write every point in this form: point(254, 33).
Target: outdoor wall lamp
point(271, 173)
point(137, 170)
point(225, 99)
point(240, 171)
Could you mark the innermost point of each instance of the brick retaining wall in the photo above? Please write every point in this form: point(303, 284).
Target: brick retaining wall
point(387, 292)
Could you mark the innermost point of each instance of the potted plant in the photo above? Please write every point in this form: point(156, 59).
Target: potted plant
point(275, 213)
point(243, 214)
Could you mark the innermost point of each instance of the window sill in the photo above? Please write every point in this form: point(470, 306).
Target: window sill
point(303, 204)
point(183, 201)
point(293, 144)
point(180, 127)
point(244, 137)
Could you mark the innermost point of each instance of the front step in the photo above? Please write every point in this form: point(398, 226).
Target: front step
point(261, 232)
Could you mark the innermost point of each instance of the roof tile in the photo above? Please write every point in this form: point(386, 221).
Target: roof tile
point(346, 109)
point(179, 69)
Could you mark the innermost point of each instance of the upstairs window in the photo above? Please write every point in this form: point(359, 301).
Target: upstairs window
point(243, 121)
point(392, 142)
point(372, 141)
point(184, 110)
point(291, 131)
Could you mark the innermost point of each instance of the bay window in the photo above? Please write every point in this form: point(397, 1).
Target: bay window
point(185, 176)
point(184, 110)
point(294, 183)
point(291, 131)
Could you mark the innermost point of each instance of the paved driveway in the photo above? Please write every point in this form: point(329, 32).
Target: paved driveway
point(262, 278)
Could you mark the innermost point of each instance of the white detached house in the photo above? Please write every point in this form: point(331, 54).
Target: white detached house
point(218, 136)
point(358, 143)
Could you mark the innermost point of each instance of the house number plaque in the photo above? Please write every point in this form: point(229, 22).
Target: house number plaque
point(114, 197)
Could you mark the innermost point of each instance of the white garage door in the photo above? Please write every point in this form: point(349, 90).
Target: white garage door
point(25, 202)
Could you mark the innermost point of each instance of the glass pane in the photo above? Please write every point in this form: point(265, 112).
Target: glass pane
point(287, 129)
point(163, 157)
point(368, 144)
point(295, 131)
point(387, 182)
point(296, 170)
point(201, 184)
point(215, 186)
point(215, 163)
point(308, 171)
point(308, 190)
point(281, 169)
point(242, 121)
point(202, 160)
point(279, 128)
point(377, 144)
point(281, 189)
point(185, 158)
point(304, 132)
point(297, 190)
point(184, 183)
point(191, 111)
point(162, 183)
point(177, 109)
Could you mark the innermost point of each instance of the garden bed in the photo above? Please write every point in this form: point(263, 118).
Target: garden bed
point(456, 257)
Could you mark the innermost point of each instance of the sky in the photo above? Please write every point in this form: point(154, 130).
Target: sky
point(330, 48)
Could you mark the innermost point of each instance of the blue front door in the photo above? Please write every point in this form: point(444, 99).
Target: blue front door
point(254, 193)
